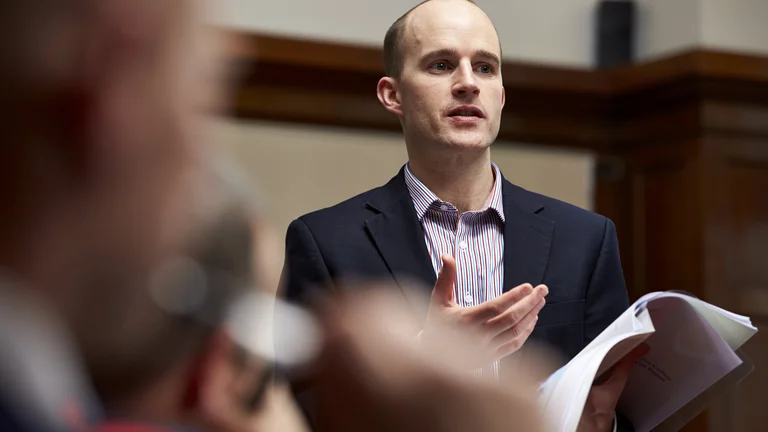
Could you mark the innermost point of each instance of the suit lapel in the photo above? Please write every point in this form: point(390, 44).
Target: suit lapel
point(527, 238)
point(398, 235)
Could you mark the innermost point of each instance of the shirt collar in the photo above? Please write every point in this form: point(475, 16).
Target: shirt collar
point(423, 198)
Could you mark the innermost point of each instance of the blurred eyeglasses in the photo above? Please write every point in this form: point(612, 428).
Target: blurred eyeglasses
point(281, 336)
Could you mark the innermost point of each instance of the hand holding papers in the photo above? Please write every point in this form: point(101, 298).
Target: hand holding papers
point(691, 347)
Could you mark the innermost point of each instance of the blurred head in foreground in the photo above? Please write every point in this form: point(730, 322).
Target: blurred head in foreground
point(99, 102)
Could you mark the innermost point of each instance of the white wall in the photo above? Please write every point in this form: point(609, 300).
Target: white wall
point(735, 25)
point(666, 27)
point(553, 31)
point(669, 26)
point(550, 31)
point(301, 168)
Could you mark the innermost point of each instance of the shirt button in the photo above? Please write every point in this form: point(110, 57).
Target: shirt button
point(463, 244)
point(444, 207)
point(468, 298)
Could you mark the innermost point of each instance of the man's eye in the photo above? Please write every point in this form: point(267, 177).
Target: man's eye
point(439, 66)
point(485, 69)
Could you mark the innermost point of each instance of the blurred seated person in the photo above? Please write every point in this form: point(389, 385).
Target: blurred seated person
point(198, 360)
point(99, 102)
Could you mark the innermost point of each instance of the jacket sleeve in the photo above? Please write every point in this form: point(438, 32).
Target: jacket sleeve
point(304, 274)
point(606, 297)
point(305, 270)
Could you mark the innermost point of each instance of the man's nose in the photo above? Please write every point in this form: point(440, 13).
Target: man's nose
point(465, 81)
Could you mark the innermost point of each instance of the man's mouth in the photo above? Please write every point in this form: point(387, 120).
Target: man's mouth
point(466, 113)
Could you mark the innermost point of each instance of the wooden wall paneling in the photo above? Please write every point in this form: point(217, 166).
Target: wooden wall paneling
point(307, 81)
point(736, 255)
point(737, 242)
point(660, 245)
point(613, 175)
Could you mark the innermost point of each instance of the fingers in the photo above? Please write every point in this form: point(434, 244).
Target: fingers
point(511, 346)
point(603, 398)
point(511, 316)
point(512, 323)
point(446, 279)
point(606, 395)
point(638, 352)
point(503, 302)
point(512, 339)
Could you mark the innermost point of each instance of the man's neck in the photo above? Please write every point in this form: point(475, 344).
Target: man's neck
point(464, 180)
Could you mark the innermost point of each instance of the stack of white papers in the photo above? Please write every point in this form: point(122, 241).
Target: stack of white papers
point(692, 345)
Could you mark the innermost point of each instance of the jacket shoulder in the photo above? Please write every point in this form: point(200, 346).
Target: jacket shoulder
point(351, 208)
point(562, 213)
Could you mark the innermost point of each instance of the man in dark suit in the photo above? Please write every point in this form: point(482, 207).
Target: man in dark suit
point(450, 220)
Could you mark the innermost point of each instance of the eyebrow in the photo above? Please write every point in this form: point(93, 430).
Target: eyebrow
point(448, 52)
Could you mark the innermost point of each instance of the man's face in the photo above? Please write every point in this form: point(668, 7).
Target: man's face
point(450, 89)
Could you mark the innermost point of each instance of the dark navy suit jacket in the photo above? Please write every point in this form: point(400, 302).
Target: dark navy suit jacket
point(377, 235)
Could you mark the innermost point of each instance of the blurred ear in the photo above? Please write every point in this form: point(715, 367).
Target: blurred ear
point(203, 373)
point(228, 379)
point(389, 97)
point(210, 373)
point(89, 63)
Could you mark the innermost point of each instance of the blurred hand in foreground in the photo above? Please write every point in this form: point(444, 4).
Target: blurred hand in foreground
point(374, 375)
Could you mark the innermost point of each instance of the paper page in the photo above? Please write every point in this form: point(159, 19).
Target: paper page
point(735, 329)
point(734, 334)
point(686, 357)
point(564, 394)
point(622, 349)
point(706, 399)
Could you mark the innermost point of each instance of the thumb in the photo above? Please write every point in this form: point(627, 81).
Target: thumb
point(443, 291)
point(626, 364)
point(623, 369)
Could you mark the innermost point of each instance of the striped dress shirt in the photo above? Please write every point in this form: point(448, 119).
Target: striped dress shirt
point(475, 239)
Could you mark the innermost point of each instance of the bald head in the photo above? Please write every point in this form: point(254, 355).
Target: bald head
point(440, 55)
point(396, 37)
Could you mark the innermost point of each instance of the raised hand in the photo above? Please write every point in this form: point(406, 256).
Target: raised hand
point(491, 330)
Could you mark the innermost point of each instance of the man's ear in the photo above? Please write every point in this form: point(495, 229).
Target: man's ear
point(86, 102)
point(503, 96)
point(388, 94)
point(226, 384)
point(210, 370)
